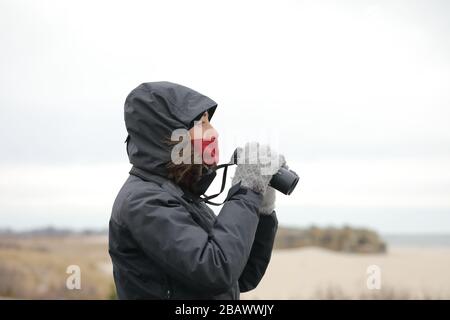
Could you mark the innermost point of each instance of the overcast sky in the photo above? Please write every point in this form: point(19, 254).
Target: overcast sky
point(356, 94)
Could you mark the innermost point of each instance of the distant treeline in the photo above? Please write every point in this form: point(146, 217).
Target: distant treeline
point(346, 239)
point(52, 231)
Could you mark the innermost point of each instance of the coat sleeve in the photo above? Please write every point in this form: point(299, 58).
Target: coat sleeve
point(167, 233)
point(260, 253)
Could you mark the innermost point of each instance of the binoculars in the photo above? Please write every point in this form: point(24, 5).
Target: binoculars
point(285, 180)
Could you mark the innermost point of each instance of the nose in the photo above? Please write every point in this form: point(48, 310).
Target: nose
point(210, 133)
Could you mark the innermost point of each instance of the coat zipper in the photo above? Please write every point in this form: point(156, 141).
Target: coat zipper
point(169, 290)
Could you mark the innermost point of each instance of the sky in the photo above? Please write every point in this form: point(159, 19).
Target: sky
point(355, 94)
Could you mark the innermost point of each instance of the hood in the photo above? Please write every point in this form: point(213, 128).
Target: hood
point(152, 111)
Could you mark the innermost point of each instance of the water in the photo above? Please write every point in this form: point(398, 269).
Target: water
point(417, 240)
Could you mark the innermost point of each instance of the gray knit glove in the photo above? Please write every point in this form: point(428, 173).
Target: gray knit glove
point(269, 197)
point(256, 166)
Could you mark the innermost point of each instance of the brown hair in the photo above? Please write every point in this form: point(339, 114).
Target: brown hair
point(184, 174)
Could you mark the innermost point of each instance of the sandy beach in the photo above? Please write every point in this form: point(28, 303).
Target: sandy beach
point(314, 273)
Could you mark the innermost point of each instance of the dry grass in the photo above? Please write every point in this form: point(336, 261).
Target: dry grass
point(35, 268)
point(337, 293)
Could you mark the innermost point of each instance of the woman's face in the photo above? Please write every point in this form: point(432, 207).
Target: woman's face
point(206, 135)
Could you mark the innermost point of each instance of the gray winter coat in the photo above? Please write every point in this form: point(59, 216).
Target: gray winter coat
point(163, 242)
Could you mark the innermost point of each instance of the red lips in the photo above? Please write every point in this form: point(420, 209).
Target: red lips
point(209, 149)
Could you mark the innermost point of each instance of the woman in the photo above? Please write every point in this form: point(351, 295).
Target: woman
point(164, 242)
